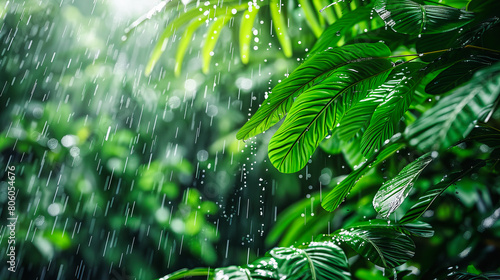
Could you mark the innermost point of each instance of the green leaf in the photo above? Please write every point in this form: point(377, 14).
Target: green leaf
point(332, 35)
point(193, 14)
point(318, 261)
point(425, 201)
point(315, 112)
point(312, 21)
point(399, 90)
point(409, 17)
point(211, 40)
point(311, 72)
point(186, 39)
point(459, 73)
point(454, 116)
point(358, 116)
point(246, 34)
point(390, 196)
point(418, 228)
point(340, 192)
point(280, 26)
point(381, 246)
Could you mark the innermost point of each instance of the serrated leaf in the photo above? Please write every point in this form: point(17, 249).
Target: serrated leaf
point(246, 34)
point(381, 246)
point(315, 112)
point(425, 201)
point(311, 72)
point(454, 116)
point(317, 261)
point(399, 90)
point(409, 17)
point(336, 196)
point(390, 196)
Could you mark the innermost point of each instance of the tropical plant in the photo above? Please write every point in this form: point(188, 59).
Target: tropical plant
point(420, 77)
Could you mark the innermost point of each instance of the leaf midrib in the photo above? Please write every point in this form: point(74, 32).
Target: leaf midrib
point(323, 109)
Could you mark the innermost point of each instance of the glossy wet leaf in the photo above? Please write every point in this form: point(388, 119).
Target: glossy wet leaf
point(319, 260)
point(426, 200)
point(392, 193)
point(398, 91)
point(336, 196)
point(381, 246)
point(280, 26)
point(409, 17)
point(315, 112)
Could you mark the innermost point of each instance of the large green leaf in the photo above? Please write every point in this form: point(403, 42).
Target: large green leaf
point(210, 41)
point(425, 201)
point(399, 91)
point(315, 112)
point(319, 260)
point(409, 17)
point(390, 196)
point(455, 115)
point(340, 192)
point(311, 72)
point(382, 246)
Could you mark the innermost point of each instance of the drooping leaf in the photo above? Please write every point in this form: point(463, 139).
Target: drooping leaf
point(340, 192)
point(312, 21)
point(246, 34)
point(317, 261)
point(390, 196)
point(186, 39)
point(425, 201)
point(173, 26)
point(382, 246)
point(213, 35)
point(459, 73)
point(409, 17)
point(399, 91)
point(280, 26)
point(454, 116)
point(315, 112)
point(311, 72)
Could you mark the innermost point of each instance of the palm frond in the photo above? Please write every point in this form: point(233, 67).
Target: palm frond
point(316, 111)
